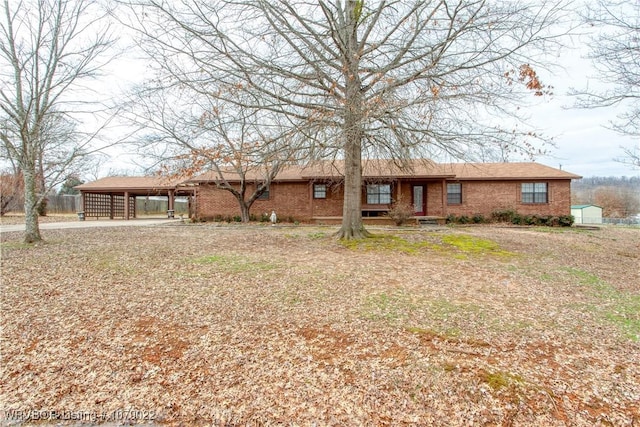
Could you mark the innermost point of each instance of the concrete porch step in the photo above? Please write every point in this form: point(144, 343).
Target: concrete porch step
point(431, 220)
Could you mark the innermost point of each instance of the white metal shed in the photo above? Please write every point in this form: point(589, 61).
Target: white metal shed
point(587, 214)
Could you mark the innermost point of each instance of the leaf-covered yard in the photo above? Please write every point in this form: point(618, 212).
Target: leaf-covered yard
point(198, 324)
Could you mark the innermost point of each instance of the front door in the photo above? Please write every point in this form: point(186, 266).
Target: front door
point(419, 200)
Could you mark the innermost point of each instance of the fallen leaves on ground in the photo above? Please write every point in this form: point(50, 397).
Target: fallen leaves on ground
point(198, 324)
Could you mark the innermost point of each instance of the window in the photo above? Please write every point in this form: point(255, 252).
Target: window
point(534, 192)
point(319, 191)
point(454, 194)
point(264, 195)
point(378, 194)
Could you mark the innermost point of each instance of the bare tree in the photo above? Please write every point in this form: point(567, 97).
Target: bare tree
point(10, 190)
point(617, 202)
point(386, 79)
point(615, 53)
point(48, 48)
point(630, 156)
point(241, 150)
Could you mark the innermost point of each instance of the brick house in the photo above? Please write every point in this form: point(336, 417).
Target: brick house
point(314, 193)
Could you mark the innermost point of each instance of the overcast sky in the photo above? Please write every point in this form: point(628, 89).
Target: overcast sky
point(583, 143)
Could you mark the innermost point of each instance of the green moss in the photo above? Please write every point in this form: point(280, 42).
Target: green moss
point(386, 242)
point(499, 380)
point(474, 245)
point(421, 331)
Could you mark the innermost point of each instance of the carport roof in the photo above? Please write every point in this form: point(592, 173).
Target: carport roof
point(132, 184)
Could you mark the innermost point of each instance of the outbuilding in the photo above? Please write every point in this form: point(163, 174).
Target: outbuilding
point(587, 214)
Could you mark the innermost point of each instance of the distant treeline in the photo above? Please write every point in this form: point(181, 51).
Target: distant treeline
point(619, 196)
point(593, 182)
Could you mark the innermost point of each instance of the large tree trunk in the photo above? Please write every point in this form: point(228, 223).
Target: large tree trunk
point(32, 229)
point(352, 227)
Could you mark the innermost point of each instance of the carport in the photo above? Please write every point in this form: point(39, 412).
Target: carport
point(115, 196)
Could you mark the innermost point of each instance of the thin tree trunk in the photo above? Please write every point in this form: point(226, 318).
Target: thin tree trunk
point(32, 228)
point(41, 186)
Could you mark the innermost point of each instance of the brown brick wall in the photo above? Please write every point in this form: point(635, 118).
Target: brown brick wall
point(332, 205)
point(295, 200)
point(290, 199)
point(485, 197)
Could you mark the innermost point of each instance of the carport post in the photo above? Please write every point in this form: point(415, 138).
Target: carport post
point(126, 205)
point(171, 196)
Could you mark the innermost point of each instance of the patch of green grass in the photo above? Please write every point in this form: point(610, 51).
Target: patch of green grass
point(474, 245)
point(288, 296)
point(585, 278)
point(561, 230)
point(547, 277)
point(388, 307)
point(110, 262)
point(317, 235)
point(625, 314)
point(620, 308)
point(443, 309)
point(18, 244)
point(236, 263)
point(15, 245)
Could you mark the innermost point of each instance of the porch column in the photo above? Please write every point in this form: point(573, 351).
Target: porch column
point(444, 198)
point(126, 205)
point(193, 204)
point(111, 206)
